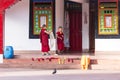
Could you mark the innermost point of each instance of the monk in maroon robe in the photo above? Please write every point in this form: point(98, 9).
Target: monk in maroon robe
point(44, 40)
point(60, 40)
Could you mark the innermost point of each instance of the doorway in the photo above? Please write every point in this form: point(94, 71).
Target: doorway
point(75, 25)
point(75, 31)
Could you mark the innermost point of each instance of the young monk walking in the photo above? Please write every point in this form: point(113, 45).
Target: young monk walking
point(60, 40)
point(44, 40)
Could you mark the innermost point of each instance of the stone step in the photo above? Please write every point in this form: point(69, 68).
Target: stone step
point(105, 67)
point(41, 61)
point(51, 64)
point(108, 62)
point(43, 66)
point(40, 64)
point(105, 61)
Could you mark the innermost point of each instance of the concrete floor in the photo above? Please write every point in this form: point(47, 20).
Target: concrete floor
point(36, 74)
point(98, 55)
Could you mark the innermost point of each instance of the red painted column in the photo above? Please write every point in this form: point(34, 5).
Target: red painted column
point(1, 30)
point(4, 4)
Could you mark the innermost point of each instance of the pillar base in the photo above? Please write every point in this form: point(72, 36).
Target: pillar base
point(1, 58)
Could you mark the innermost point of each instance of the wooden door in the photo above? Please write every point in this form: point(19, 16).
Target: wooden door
point(75, 31)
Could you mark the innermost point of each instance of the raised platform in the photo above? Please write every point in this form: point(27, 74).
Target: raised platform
point(100, 61)
point(37, 61)
point(31, 60)
point(106, 61)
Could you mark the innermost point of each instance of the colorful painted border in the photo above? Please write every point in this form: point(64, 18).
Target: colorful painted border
point(102, 29)
point(34, 31)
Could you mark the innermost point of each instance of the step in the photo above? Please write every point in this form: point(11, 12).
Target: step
point(40, 61)
point(43, 66)
point(105, 67)
point(40, 64)
point(108, 62)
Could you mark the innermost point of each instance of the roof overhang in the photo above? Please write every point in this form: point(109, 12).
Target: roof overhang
point(4, 4)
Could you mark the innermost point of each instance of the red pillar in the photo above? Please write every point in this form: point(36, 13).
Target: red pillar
point(4, 4)
point(1, 30)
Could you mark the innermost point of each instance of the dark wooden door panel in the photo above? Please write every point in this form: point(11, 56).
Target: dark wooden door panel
point(75, 31)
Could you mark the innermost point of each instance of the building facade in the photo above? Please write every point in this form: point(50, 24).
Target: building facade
point(86, 32)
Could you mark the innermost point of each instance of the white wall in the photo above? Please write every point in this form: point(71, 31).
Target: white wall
point(107, 44)
point(17, 26)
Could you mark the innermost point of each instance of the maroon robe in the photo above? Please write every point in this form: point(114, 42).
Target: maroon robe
point(44, 41)
point(60, 41)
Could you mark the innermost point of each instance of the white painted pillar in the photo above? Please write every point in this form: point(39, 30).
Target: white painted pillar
point(85, 26)
point(59, 13)
point(1, 58)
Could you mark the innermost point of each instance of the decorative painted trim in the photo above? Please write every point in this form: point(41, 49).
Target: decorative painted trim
point(97, 36)
point(31, 20)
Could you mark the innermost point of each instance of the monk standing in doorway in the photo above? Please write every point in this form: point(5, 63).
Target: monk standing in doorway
point(60, 40)
point(44, 40)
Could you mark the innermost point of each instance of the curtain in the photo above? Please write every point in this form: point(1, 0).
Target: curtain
point(52, 41)
point(66, 30)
